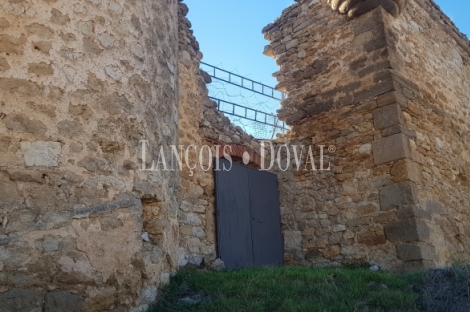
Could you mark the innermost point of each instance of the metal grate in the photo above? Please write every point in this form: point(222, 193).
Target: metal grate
point(245, 83)
point(249, 114)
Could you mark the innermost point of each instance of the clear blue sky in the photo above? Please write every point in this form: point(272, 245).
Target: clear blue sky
point(229, 32)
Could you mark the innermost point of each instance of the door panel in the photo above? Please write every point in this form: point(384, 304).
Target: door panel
point(266, 219)
point(233, 216)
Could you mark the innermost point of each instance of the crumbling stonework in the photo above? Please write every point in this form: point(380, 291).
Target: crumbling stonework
point(81, 84)
point(364, 86)
point(332, 216)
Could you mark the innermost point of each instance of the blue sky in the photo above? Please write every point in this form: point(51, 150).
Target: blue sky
point(229, 34)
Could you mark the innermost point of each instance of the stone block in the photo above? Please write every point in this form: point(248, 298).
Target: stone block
point(41, 153)
point(363, 24)
point(433, 206)
point(193, 218)
point(398, 195)
point(357, 222)
point(195, 259)
point(33, 176)
point(371, 238)
point(149, 294)
point(375, 44)
point(123, 201)
point(50, 244)
point(332, 252)
point(186, 230)
point(59, 301)
point(338, 228)
point(366, 148)
point(218, 265)
point(185, 206)
point(40, 30)
point(3, 241)
point(20, 220)
point(318, 108)
point(378, 66)
point(388, 116)
point(413, 212)
point(22, 300)
point(398, 129)
point(386, 217)
point(406, 231)
point(8, 192)
point(59, 18)
point(381, 85)
point(110, 222)
point(92, 164)
point(13, 45)
point(292, 44)
point(43, 46)
point(406, 170)
point(313, 254)
point(366, 208)
point(391, 98)
point(182, 257)
point(70, 128)
point(416, 251)
point(391, 148)
point(292, 240)
point(334, 238)
point(6, 161)
point(22, 123)
point(409, 88)
point(40, 69)
point(198, 232)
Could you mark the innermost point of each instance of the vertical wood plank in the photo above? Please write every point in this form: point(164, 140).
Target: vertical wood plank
point(268, 246)
point(234, 241)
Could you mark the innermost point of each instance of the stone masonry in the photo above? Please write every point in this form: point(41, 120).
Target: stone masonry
point(80, 85)
point(387, 90)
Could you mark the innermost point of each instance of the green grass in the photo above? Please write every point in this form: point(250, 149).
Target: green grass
point(291, 289)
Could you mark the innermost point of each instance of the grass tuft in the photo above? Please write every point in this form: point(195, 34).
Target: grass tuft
point(446, 290)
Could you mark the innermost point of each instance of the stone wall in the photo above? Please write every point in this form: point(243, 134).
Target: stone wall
point(81, 84)
point(358, 84)
point(430, 51)
point(200, 124)
point(332, 217)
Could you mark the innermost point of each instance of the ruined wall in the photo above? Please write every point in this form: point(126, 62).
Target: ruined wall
point(377, 88)
point(331, 68)
point(200, 124)
point(81, 84)
point(430, 51)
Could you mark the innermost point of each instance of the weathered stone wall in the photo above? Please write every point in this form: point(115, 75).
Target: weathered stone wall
point(364, 85)
point(430, 51)
point(333, 69)
point(81, 84)
point(200, 124)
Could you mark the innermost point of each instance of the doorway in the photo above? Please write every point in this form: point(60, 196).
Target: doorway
point(248, 217)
